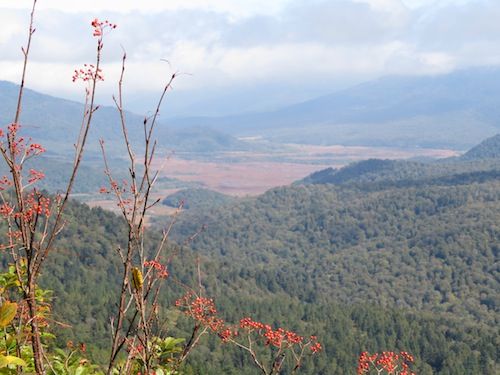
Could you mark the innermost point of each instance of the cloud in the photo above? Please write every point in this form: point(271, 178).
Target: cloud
point(450, 26)
point(231, 7)
point(225, 45)
point(342, 22)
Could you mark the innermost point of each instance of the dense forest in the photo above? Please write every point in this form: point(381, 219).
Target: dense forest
point(420, 237)
point(371, 264)
point(198, 198)
point(88, 268)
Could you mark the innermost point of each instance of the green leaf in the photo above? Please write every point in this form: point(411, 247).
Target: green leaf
point(7, 312)
point(48, 335)
point(6, 360)
point(60, 352)
point(170, 343)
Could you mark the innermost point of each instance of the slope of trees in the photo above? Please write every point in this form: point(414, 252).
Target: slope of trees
point(367, 266)
point(85, 280)
point(198, 198)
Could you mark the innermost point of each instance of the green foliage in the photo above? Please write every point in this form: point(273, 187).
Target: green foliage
point(167, 348)
point(429, 247)
point(200, 199)
point(12, 339)
point(70, 362)
point(6, 360)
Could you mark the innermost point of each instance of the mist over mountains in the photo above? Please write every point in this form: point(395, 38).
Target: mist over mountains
point(455, 110)
point(55, 122)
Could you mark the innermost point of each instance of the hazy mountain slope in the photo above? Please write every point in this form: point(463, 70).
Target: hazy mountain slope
point(402, 173)
point(488, 149)
point(55, 122)
point(366, 170)
point(454, 110)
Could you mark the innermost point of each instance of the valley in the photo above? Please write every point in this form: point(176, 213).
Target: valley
point(252, 173)
point(243, 188)
point(245, 173)
point(379, 253)
point(370, 244)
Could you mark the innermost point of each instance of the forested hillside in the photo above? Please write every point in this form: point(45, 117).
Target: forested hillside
point(84, 275)
point(388, 256)
point(432, 247)
point(421, 237)
point(197, 198)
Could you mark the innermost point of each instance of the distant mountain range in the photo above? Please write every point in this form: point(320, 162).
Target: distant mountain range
point(55, 122)
point(455, 110)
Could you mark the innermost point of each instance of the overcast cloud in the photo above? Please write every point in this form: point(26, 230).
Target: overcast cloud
point(249, 54)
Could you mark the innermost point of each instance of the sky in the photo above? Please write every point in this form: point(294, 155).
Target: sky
point(245, 55)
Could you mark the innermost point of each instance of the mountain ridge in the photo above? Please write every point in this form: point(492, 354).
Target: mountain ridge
point(55, 122)
point(487, 149)
point(454, 110)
